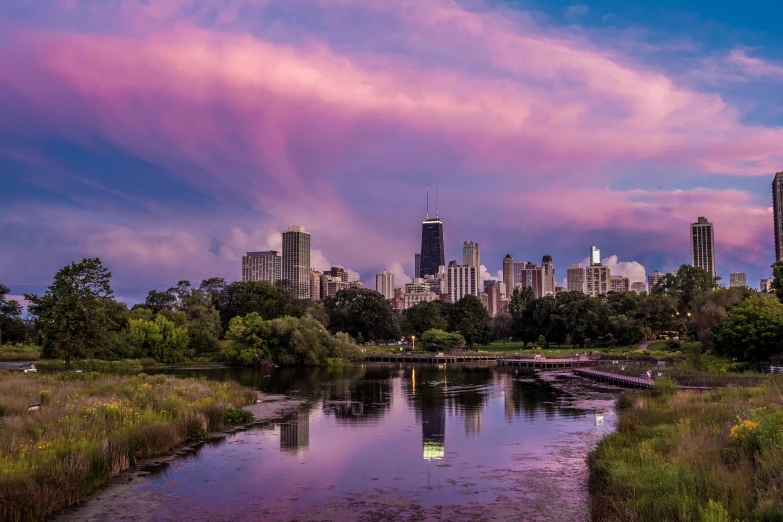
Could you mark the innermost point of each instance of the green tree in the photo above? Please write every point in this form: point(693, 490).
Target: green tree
point(710, 309)
point(302, 341)
point(157, 301)
point(423, 316)
point(362, 311)
point(241, 298)
point(686, 286)
point(752, 331)
point(159, 339)
point(777, 280)
point(250, 338)
point(437, 340)
point(470, 319)
point(11, 324)
point(72, 314)
point(658, 313)
point(502, 327)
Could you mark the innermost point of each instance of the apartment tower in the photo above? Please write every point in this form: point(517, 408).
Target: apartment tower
point(384, 284)
point(296, 261)
point(703, 245)
point(261, 266)
point(508, 274)
point(777, 207)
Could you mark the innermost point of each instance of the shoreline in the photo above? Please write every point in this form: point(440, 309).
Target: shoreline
point(103, 503)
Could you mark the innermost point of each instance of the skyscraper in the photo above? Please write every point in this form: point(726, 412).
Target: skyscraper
point(261, 266)
point(462, 280)
point(432, 253)
point(595, 255)
point(549, 274)
point(532, 277)
point(470, 254)
point(597, 280)
point(493, 298)
point(339, 273)
point(384, 284)
point(619, 284)
point(777, 207)
point(518, 266)
point(508, 274)
point(703, 245)
point(576, 276)
point(416, 265)
point(738, 279)
point(652, 280)
point(296, 261)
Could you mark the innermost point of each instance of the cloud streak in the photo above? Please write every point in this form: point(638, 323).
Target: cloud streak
point(282, 114)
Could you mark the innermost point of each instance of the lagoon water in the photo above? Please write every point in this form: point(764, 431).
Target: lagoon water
point(386, 442)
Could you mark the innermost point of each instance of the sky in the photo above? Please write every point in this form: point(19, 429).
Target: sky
point(168, 137)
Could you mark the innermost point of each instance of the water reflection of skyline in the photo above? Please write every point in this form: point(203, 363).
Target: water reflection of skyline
point(364, 394)
point(295, 433)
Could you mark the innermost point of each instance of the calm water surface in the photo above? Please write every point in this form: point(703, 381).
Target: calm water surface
point(390, 442)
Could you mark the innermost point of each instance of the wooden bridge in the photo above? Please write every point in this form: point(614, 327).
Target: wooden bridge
point(431, 358)
point(627, 381)
point(550, 364)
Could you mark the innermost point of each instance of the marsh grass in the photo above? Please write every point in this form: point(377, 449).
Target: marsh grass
point(92, 427)
point(692, 456)
point(19, 352)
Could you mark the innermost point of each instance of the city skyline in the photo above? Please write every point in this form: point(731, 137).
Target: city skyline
point(169, 168)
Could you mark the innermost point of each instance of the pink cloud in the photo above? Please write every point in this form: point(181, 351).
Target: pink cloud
point(305, 130)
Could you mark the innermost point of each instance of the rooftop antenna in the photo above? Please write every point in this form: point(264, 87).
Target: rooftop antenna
point(428, 201)
point(437, 200)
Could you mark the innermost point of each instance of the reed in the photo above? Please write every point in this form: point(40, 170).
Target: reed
point(91, 427)
point(692, 456)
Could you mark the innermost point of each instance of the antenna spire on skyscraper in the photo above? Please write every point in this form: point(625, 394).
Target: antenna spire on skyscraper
point(437, 200)
point(428, 201)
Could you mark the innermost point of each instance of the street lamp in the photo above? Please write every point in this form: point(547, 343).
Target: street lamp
point(413, 338)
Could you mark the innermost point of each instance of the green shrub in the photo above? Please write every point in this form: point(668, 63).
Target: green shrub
point(45, 397)
point(236, 416)
point(664, 387)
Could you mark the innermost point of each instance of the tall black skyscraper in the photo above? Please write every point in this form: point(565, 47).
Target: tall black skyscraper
point(777, 207)
point(432, 255)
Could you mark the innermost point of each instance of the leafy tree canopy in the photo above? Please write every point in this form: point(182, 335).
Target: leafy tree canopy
point(752, 330)
point(362, 311)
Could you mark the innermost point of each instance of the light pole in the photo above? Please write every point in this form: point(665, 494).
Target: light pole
point(413, 338)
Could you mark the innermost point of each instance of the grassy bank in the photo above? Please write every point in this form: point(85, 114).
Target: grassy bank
point(90, 428)
point(19, 352)
point(715, 456)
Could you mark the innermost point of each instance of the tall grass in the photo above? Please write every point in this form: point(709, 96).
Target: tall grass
point(692, 456)
point(92, 427)
point(19, 352)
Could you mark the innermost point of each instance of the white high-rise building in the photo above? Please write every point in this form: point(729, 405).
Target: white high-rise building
point(576, 278)
point(703, 245)
point(766, 285)
point(595, 255)
point(296, 261)
point(462, 280)
point(261, 266)
point(384, 284)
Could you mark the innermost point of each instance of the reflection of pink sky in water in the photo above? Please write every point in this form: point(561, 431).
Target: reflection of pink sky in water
point(512, 465)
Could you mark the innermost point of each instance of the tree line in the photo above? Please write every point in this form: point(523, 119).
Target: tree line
point(251, 323)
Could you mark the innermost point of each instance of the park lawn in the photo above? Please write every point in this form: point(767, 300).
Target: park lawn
point(91, 427)
point(715, 456)
point(19, 352)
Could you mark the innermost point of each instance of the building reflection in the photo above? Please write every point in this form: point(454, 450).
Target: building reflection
point(295, 433)
point(525, 395)
point(364, 399)
point(433, 431)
